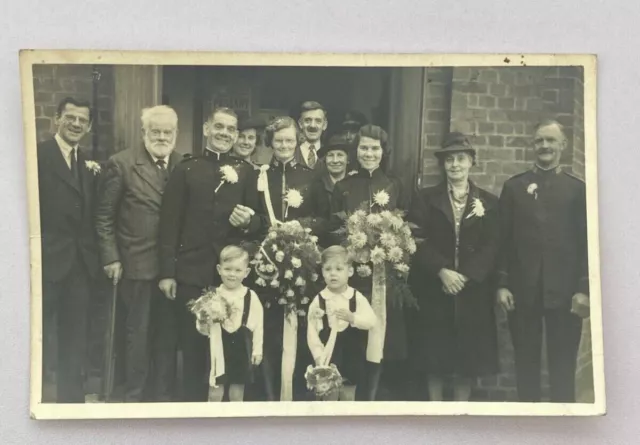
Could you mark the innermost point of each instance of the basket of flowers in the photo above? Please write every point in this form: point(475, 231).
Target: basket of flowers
point(323, 380)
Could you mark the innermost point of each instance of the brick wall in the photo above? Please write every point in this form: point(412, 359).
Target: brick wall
point(52, 83)
point(498, 109)
point(436, 112)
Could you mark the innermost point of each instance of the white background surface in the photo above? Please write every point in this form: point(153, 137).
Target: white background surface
point(607, 28)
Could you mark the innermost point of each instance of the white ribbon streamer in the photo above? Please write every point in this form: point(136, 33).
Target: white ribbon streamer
point(216, 348)
point(328, 348)
point(289, 347)
point(263, 186)
point(375, 343)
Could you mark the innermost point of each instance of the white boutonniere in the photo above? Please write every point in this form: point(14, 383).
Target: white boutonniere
point(477, 208)
point(380, 198)
point(352, 172)
point(294, 199)
point(229, 175)
point(93, 167)
point(533, 190)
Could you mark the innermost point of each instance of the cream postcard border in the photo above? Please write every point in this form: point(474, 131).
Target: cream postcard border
point(39, 410)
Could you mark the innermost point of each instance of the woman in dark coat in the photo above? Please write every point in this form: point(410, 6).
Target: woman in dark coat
point(284, 174)
point(348, 196)
point(455, 335)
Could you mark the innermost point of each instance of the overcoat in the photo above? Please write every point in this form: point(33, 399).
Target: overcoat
point(128, 211)
point(454, 334)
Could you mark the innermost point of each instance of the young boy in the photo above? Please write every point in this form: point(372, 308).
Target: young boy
point(338, 306)
point(242, 332)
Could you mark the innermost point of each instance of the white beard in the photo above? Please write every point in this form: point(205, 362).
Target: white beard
point(158, 150)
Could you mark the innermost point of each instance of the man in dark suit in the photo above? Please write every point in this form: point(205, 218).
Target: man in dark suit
point(66, 183)
point(313, 122)
point(209, 203)
point(543, 269)
point(127, 222)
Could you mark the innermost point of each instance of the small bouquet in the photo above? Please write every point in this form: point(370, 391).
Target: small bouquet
point(323, 380)
point(210, 308)
point(287, 262)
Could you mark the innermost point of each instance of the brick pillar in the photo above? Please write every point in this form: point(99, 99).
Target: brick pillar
point(436, 116)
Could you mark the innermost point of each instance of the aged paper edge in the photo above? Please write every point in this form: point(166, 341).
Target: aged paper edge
point(39, 410)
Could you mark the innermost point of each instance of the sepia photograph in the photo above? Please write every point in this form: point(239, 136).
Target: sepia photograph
point(240, 235)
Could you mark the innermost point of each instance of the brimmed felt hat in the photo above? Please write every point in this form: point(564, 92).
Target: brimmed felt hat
point(455, 142)
point(255, 122)
point(336, 142)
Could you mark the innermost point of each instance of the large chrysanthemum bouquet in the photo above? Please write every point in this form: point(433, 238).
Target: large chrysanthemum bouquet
point(381, 238)
point(286, 262)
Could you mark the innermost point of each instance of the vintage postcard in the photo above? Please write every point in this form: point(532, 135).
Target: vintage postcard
point(235, 235)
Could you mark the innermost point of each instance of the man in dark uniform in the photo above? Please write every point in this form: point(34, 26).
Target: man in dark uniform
point(543, 269)
point(208, 203)
point(66, 182)
point(351, 124)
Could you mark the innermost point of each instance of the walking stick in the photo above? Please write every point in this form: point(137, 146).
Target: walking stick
point(110, 356)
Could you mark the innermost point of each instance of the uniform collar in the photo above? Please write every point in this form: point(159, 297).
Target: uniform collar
point(210, 153)
point(367, 174)
point(278, 164)
point(541, 171)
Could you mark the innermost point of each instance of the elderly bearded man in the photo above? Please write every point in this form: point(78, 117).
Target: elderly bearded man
point(209, 203)
point(127, 222)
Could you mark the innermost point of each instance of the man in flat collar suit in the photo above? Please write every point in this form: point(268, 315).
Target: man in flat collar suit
point(209, 203)
point(313, 122)
point(543, 267)
point(66, 183)
point(127, 222)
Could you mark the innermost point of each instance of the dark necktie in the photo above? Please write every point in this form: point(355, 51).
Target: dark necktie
point(162, 167)
point(74, 164)
point(312, 156)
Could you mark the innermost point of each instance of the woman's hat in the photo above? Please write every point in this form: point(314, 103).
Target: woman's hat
point(256, 123)
point(455, 142)
point(336, 142)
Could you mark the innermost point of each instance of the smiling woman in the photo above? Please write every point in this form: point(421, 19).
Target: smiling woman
point(454, 333)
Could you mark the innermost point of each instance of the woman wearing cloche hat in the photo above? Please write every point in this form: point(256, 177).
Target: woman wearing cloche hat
point(454, 335)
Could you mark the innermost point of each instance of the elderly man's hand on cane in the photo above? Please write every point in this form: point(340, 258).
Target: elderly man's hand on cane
point(113, 271)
